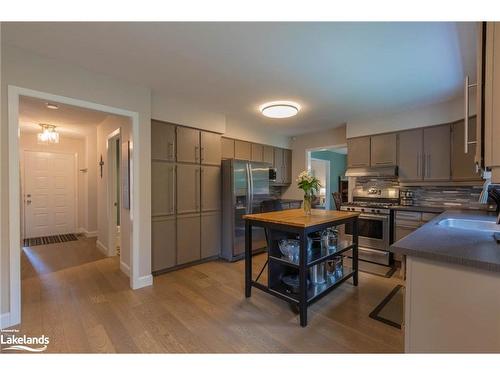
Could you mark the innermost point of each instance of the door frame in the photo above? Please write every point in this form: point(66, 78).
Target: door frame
point(328, 186)
point(23, 185)
point(111, 191)
point(13, 94)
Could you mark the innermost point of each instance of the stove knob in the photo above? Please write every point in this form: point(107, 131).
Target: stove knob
point(362, 210)
point(378, 211)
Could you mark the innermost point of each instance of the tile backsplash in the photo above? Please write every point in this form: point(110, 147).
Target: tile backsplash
point(447, 196)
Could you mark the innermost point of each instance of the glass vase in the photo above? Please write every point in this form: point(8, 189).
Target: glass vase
point(307, 204)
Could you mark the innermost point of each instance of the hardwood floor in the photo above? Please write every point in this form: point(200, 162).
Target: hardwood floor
point(89, 307)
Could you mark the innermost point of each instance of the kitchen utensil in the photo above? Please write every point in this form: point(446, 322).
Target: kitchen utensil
point(290, 249)
point(317, 273)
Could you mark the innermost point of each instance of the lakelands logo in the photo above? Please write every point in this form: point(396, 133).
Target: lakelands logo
point(10, 341)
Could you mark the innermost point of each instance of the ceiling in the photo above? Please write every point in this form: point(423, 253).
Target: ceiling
point(336, 71)
point(69, 120)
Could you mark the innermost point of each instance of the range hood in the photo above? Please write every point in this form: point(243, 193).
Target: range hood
point(391, 171)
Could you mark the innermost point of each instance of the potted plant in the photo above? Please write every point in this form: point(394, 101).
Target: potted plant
point(310, 184)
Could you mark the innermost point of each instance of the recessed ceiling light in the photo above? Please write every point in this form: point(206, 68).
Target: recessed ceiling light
point(280, 109)
point(51, 106)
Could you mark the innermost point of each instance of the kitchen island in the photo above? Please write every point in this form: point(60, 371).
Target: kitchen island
point(452, 301)
point(295, 224)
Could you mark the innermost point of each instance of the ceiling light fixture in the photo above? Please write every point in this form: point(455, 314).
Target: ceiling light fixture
point(48, 135)
point(51, 106)
point(280, 109)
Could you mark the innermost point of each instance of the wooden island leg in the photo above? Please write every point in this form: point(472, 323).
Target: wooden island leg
point(355, 251)
point(303, 279)
point(248, 259)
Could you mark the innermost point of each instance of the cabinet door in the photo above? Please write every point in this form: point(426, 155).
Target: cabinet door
point(358, 152)
point(188, 188)
point(188, 145)
point(242, 150)
point(210, 188)
point(210, 234)
point(287, 166)
point(383, 150)
point(163, 243)
point(437, 153)
point(491, 100)
point(227, 148)
point(188, 238)
point(463, 166)
point(257, 152)
point(410, 165)
point(278, 164)
point(268, 155)
point(162, 141)
point(402, 232)
point(210, 150)
point(162, 188)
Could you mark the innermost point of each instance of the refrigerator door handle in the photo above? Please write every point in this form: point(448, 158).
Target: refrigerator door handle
point(250, 180)
point(248, 189)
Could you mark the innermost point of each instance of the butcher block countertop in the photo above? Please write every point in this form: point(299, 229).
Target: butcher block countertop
point(297, 217)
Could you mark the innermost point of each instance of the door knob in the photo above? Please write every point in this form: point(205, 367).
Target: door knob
point(28, 201)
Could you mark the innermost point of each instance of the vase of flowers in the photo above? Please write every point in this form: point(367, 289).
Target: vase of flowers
point(310, 184)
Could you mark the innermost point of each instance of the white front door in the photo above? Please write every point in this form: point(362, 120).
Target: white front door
point(49, 193)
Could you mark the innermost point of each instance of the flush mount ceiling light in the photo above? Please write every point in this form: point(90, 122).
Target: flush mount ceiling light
point(51, 106)
point(48, 135)
point(280, 109)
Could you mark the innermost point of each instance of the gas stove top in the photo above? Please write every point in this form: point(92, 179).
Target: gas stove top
point(369, 206)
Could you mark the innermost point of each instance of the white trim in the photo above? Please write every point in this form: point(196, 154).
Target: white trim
point(143, 281)
point(125, 268)
point(100, 246)
point(5, 320)
point(13, 94)
point(87, 233)
point(111, 189)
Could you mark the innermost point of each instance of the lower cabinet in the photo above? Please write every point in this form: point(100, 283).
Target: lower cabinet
point(188, 238)
point(163, 242)
point(210, 234)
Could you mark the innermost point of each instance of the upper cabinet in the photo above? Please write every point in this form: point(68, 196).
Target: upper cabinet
point(437, 153)
point(383, 150)
point(410, 164)
point(256, 152)
point(268, 155)
point(188, 145)
point(462, 164)
point(210, 148)
point(358, 152)
point(242, 150)
point(287, 166)
point(227, 148)
point(162, 141)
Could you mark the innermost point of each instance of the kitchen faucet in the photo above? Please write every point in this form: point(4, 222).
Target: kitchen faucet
point(490, 192)
point(495, 195)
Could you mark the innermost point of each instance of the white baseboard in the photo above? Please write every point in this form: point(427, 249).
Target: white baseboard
point(143, 281)
point(5, 320)
point(87, 233)
point(125, 268)
point(103, 249)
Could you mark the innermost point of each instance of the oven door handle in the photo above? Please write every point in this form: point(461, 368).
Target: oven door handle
point(376, 217)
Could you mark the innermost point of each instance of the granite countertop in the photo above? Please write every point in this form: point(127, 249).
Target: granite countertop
point(434, 210)
point(471, 248)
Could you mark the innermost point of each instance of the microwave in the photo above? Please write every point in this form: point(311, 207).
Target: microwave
point(272, 174)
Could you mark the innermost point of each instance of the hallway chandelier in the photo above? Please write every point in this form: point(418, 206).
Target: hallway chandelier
point(48, 134)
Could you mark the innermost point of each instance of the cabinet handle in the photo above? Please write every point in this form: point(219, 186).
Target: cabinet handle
point(418, 164)
point(202, 153)
point(202, 172)
point(428, 164)
point(467, 87)
point(170, 150)
point(196, 150)
point(172, 207)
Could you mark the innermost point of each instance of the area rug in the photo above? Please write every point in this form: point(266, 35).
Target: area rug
point(391, 310)
point(36, 241)
point(372, 268)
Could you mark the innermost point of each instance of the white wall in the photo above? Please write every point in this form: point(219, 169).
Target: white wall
point(257, 133)
point(300, 145)
point(25, 69)
point(439, 113)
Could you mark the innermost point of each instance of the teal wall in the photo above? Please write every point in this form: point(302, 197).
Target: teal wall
point(338, 165)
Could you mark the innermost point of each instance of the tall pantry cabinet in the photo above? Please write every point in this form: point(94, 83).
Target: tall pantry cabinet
point(185, 195)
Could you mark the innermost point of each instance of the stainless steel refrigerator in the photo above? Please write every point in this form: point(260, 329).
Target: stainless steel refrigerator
point(245, 185)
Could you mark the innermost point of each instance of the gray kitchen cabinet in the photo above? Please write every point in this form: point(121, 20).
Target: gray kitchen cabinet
point(463, 166)
point(188, 188)
point(437, 153)
point(287, 166)
point(210, 234)
point(278, 164)
point(210, 188)
point(210, 148)
point(268, 155)
point(162, 141)
point(242, 150)
point(410, 164)
point(188, 145)
point(227, 148)
point(163, 243)
point(188, 238)
point(358, 152)
point(403, 231)
point(256, 152)
point(162, 188)
point(383, 150)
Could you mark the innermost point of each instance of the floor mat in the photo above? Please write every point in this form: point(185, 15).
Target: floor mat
point(391, 310)
point(36, 241)
point(372, 268)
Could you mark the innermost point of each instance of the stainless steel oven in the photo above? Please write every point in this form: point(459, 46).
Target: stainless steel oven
point(374, 237)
